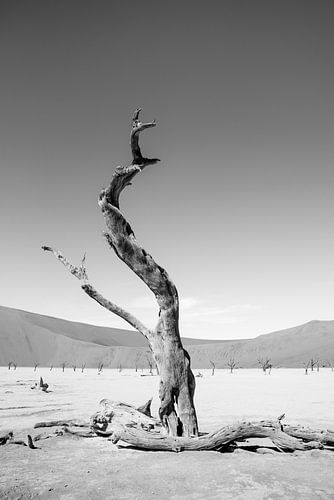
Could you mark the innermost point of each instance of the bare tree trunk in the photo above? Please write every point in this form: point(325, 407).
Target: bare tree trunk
point(177, 382)
point(176, 379)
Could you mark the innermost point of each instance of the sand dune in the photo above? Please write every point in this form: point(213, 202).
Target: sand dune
point(27, 338)
point(286, 348)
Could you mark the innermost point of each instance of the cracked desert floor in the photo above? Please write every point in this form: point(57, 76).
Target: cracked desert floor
point(69, 467)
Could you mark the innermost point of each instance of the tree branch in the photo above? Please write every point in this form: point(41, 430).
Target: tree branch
point(81, 273)
point(122, 313)
point(137, 127)
point(77, 271)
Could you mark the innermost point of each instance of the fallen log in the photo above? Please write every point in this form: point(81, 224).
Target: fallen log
point(306, 434)
point(61, 423)
point(19, 442)
point(88, 434)
point(123, 422)
point(217, 441)
point(6, 437)
point(114, 414)
point(31, 443)
point(57, 433)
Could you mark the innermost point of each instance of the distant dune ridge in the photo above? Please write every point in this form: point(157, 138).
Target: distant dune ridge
point(28, 338)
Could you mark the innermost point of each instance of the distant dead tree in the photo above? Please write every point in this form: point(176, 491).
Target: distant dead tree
point(330, 365)
point(100, 367)
point(83, 366)
point(74, 367)
point(265, 364)
point(120, 367)
point(149, 361)
point(11, 364)
point(306, 366)
point(63, 366)
point(15, 366)
point(314, 361)
point(231, 363)
point(51, 367)
point(137, 359)
point(35, 366)
point(213, 364)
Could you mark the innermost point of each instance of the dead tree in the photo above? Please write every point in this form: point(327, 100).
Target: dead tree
point(120, 367)
point(313, 362)
point(177, 382)
point(138, 357)
point(51, 367)
point(10, 364)
point(35, 366)
point(83, 366)
point(74, 367)
point(63, 366)
point(149, 362)
point(100, 367)
point(213, 364)
point(306, 365)
point(265, 364)
point(330, 365)
point(231, 363)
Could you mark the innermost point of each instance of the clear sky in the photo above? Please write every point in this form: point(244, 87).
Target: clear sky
point(240, 209)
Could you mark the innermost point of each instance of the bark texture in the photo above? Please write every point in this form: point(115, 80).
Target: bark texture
point(122, 422)
point(177, 382)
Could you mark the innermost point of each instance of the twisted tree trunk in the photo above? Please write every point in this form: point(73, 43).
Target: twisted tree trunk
point(177, 382)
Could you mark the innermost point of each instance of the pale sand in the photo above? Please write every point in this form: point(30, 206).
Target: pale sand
point(61, 465)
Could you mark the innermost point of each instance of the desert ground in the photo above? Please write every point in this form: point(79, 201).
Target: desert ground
point(69, 467)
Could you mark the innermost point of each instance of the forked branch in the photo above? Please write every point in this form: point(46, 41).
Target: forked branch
point(81, 274)
point(137, 127)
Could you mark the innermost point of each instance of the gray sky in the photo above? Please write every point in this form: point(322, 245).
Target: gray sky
point(240, 209)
